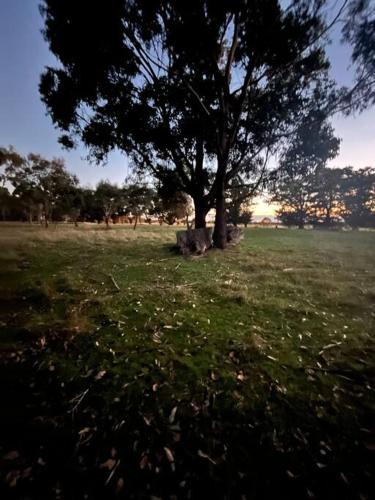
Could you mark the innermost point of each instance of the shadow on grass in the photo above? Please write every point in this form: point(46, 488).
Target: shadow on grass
point(85, 433)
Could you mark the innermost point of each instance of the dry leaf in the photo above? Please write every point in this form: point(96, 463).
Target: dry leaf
point(12, 455)
point(108, 464)
point(204, 455)
point(169, 454)
point(172, 415)
point(100, 374)
point(119, 485)
point(144, 462)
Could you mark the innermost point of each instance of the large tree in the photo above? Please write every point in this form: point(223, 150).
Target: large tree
point(205, 89)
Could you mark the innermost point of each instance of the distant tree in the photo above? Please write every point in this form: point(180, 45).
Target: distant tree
point(91, 210)
point(171, 205)
point(293, 216)
point(28, 198)
point(138, 201)
point(109, 198)
point(208, 90)
point(295, 181)
point(326, 200)
point(295, 194)
point(358, 197)
point(9, 159)
point(239, 207)
point(5, 202)
point(39, 184)
point(72, 204)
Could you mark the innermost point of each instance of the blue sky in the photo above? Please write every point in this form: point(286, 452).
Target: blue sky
point(24, 124)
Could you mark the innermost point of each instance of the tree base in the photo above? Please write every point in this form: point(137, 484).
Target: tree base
point(194, 241)
point(197, 241)
point(234, 235)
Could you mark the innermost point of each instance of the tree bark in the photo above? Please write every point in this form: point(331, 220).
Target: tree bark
point(135, 222)
point(220, 230)
point(200, 214)
point(200, 218)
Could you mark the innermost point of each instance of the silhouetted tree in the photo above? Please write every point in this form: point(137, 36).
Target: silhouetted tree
point(358, 197)
point(72, 204)
point(138, 200)
point(206, 89)
point(170, 204)
point(359, 32)
point(239, 206)
point(295, 195)
point(326, 200)
point(296, 180)
point(5, 202)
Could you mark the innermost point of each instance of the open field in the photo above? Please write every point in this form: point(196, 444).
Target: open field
point(128, 371)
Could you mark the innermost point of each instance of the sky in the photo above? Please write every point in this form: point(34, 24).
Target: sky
point(25, 124)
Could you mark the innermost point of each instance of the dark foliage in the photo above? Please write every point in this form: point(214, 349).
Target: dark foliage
point(208, 106)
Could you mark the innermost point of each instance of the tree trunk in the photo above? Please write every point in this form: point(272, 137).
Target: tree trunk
point(106, 220)
point(200, 214)
point(47, 213)
point(135, 222)
point(220, 230)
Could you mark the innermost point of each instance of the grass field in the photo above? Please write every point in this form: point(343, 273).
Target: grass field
point(128, 371)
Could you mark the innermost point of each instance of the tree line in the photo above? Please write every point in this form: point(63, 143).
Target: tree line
point(326, 197)
point(34, 188)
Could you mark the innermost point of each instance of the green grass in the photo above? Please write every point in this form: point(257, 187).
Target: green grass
point(245, 372)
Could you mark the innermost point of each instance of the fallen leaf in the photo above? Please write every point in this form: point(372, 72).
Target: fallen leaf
point(144, 462)
point(100, 374)
point(204, 455)
point(172, 415)
point(108, 464)
point(119, 485)
point(12, 478)
point(169, 454)
point(12, 455)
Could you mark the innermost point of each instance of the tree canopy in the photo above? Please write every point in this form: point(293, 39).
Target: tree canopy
point(207, 90)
